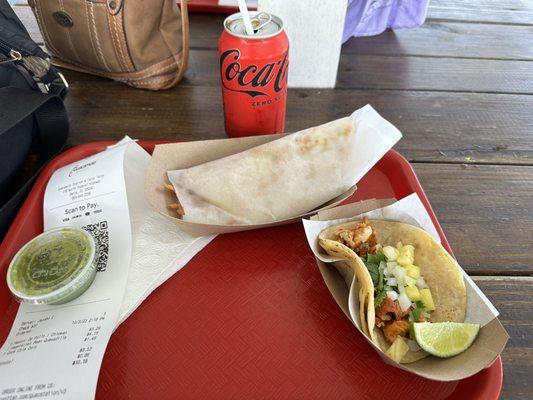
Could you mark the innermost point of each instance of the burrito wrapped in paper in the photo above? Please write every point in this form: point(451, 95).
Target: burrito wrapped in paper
point(287, 177)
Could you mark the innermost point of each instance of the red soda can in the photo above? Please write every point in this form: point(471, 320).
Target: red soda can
point(254, 72)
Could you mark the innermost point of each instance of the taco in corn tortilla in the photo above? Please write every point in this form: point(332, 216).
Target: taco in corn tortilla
point(403, 275)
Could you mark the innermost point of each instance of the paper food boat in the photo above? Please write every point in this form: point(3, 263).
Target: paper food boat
point(492, 336)
point(373, 137)
point(188, 154)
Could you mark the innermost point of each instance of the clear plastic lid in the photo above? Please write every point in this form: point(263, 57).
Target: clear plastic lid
point(54, 267)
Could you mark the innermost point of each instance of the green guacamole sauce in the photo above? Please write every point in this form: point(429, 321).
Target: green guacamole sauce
point(51, 262)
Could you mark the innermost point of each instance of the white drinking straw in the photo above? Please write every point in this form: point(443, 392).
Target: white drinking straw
point(246, 17)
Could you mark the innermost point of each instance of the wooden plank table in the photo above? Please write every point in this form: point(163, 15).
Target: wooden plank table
point(459, 88)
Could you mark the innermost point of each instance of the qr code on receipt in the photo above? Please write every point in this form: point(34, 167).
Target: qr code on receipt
point(101, 237)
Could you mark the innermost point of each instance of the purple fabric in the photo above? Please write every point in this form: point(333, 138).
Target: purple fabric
point(371, 17)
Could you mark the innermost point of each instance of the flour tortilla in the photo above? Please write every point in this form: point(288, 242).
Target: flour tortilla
point(437, 267)
point(286, 177)
point(271, 182)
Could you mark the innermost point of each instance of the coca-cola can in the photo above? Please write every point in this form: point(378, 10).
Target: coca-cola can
point(254, 72)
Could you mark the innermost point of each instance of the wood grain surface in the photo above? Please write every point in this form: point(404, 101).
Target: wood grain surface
point(446, 39)
point(486, 213)
point(459, 88)
point(512, 297)
point(447, 74)
point(483, 11)
point(401, 73)
point(437, 126)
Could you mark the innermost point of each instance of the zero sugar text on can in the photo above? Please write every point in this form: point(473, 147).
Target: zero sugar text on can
point(254, 72)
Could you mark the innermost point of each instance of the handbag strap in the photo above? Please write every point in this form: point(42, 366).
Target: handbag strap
point(184, 44)
point(51, 120)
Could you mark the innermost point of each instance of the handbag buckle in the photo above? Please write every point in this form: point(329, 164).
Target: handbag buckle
point(56, 87)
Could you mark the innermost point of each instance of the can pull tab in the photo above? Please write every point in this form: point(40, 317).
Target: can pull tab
point(258, 22)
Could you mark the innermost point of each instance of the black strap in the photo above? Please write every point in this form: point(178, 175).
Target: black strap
point(52, 125)
point(12, 31)
point(10, 17)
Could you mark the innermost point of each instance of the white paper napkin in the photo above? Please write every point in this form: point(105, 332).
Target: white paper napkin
point(160, 248)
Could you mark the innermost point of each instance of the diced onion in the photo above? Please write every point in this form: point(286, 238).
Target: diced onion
point(391, 265)
point(413, 346)
point(399, 274)
point(382, 266)
point(421, 283)
point(392, 282)
point(392, 294)
point(404, 301)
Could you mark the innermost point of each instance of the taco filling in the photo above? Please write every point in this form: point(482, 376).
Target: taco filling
point(401, 295)
point(403, 278)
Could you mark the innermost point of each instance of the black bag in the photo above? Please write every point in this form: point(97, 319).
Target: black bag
point(32, 114)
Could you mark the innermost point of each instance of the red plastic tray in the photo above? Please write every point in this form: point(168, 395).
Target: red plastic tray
point(248, 317)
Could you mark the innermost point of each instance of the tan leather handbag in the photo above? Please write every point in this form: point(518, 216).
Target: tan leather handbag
point(143, 43)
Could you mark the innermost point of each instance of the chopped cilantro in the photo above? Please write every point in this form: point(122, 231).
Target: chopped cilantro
point(374, 272)
point(380, 295)
point(372, 262)
point(417, 311)
point(379, 298)
point(376, 258)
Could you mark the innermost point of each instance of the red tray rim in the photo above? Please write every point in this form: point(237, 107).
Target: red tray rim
point(9, 245)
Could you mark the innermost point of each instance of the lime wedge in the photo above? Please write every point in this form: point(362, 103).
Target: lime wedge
point(445, 339)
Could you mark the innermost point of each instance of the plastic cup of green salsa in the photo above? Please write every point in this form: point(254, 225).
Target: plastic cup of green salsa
point(53, 268)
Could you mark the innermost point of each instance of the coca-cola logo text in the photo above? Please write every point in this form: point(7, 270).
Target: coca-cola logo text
point(252, 78)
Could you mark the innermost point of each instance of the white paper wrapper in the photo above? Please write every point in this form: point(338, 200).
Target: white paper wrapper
point(479, 309)
point(287, 177)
